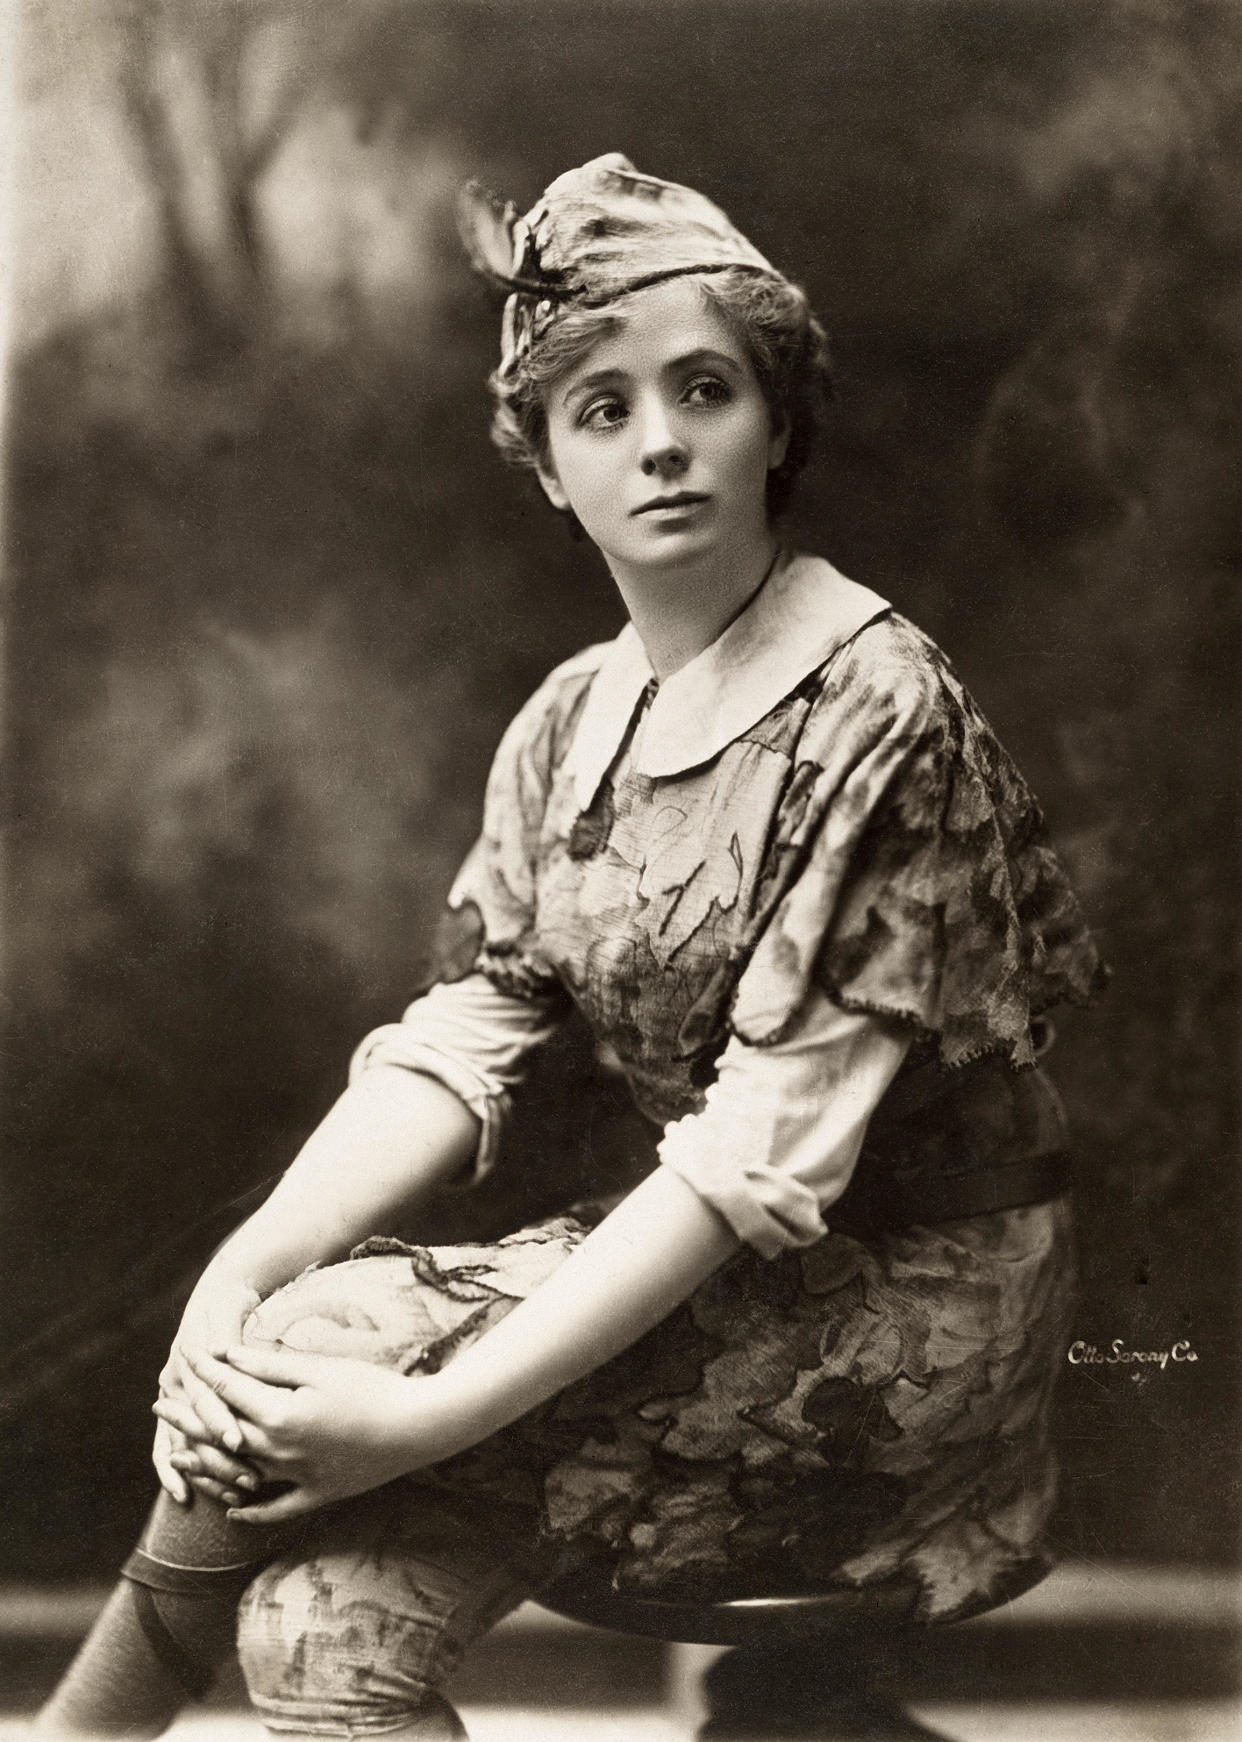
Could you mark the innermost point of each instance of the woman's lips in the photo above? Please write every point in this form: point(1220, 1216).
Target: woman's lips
point(660, 504)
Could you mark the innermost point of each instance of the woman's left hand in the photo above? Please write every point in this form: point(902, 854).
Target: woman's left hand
point(327, 1426)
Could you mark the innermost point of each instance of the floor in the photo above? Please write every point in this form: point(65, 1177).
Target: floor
point(1096, 1654)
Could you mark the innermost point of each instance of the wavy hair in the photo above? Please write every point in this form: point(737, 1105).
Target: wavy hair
point(785, 343)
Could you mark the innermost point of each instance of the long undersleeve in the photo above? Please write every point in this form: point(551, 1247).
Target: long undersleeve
point(473, 1038)
point(778, 1137)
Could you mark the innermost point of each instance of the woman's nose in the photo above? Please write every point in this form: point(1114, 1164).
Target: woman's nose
point(663, 448)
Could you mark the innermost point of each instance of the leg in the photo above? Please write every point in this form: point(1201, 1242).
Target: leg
point(171, 1620)
point(359, 1631)
point(166, 1628)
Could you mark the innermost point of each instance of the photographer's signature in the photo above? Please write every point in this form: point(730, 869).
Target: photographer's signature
point(1117, 1354)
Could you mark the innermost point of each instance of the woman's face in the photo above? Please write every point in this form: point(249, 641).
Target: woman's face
point(660, 439)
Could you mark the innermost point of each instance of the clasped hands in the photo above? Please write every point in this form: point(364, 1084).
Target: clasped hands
point(273, 1432)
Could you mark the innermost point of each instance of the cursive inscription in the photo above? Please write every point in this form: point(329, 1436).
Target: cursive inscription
point(1082, 1354)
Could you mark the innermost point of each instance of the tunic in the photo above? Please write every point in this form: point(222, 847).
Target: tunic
point(812, 816)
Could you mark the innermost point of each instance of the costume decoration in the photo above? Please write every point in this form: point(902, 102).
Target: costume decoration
point(596, 233)
point(813, 808)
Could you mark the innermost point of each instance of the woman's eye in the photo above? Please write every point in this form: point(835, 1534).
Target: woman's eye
point(707, 390)
point(602, 414)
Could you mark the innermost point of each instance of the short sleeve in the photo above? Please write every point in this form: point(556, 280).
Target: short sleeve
point(918, 881)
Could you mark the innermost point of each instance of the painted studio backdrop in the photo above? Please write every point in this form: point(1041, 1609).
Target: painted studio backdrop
point(272, 600)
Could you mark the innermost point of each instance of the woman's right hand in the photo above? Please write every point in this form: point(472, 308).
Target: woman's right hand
point(212, 1322)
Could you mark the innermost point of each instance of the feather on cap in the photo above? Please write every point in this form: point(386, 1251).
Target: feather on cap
point(596, 232)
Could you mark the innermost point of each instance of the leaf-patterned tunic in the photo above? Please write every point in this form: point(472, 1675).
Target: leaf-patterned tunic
point(827, 816)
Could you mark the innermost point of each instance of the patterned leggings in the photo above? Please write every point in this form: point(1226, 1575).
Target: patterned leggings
point(352, 1633)
point(352, 1630)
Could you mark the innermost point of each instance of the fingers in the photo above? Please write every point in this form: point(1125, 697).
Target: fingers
point(176, 1412)
point(221, 1478)
point(163, 1455)
point(217, 1491)
point(202, 1459)
point(277, 1366)
point(244, 1396)
point(195, 1432)
point(213, 1413)
point(291, 1504)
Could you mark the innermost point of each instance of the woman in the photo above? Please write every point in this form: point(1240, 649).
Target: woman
point(766, 844)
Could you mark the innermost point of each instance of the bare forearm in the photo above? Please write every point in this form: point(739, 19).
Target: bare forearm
point(652, 1252)
point(391, 1138)
point(325, 1427)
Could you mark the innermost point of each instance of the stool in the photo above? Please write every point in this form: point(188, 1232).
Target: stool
point(803, 1668)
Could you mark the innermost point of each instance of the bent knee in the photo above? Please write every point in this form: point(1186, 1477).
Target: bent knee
point(322, 1651)
point(372, 1309)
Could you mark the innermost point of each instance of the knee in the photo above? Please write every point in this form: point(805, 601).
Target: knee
point(367, 1308)
point(320, 1654)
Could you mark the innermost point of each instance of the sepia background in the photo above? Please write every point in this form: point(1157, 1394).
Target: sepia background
point(271, 601)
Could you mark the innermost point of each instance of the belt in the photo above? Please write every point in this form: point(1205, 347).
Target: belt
point(939, 1169)
point(875, 1201)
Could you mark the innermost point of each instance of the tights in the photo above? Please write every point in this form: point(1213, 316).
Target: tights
point(168, 1625)
point(349, 1623)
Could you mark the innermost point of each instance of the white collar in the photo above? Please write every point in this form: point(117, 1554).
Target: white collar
point(803, 612)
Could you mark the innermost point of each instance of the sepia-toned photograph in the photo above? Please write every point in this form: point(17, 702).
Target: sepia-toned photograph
point(620, 1059)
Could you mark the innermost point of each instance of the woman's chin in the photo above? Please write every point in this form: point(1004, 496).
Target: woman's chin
point(673, 543)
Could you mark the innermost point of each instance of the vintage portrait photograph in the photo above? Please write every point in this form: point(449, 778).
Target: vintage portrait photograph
point(620, 1059)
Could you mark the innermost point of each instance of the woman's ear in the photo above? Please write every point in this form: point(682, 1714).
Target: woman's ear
point(551, 485)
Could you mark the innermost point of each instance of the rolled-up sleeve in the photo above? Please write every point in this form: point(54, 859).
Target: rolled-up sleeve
point(473, 1038)
point(777, 1139)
